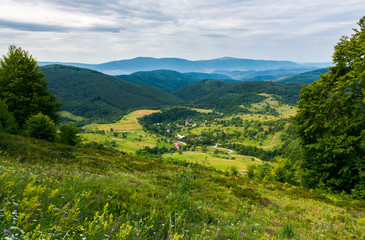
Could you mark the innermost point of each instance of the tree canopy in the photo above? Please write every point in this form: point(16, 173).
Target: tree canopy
point(331, 120)
point(23, 87)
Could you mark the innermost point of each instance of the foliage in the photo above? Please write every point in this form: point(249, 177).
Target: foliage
point(23, 87)
point(286, 171)
point(42, 127)
point(331, 120)
point(68, 134)
point(7, 121)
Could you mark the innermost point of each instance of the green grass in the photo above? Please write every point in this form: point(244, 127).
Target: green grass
point(53, 191)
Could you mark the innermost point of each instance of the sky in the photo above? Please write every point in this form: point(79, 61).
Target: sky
point(99, 31)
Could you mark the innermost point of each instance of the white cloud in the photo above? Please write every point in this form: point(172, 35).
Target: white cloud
point(96, 31)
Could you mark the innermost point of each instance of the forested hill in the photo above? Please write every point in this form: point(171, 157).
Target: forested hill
point(166, 80)
point(224, 96)
point(306, 77)
point(89, 93)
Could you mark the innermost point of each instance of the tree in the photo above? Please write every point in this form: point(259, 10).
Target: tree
point(68, 134)
point(42, 127)
point(7, 121)
point(23, 87)
point(330, 120)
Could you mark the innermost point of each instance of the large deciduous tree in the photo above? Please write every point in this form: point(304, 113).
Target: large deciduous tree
point(23, 87)
point(331, 120)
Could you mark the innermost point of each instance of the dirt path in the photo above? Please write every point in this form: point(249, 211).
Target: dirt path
point(272, 140)
point(229, 151)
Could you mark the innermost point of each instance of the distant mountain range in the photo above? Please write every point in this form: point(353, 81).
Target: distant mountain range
point(183, 65)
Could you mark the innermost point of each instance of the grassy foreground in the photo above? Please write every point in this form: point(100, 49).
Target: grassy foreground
point(53, 191)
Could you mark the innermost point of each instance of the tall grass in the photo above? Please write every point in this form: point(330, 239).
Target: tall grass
point(52, 191)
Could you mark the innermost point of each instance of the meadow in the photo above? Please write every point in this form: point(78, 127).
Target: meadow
point(54, 191)
point(223, 160)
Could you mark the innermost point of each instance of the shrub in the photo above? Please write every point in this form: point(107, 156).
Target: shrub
point(68, 134)
point(42, 127)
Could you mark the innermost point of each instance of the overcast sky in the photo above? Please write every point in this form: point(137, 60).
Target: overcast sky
point(104, 30)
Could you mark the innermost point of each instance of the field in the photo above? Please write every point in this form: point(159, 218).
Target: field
point(127, 123)
point(218, 161)
point(126, 135)
point(71, 116)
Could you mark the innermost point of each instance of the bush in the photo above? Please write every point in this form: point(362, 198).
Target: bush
point(42, 127)
point(68, 134)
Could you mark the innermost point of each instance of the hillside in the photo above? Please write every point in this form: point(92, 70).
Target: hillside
point(53, 191)
point(306, 77)
point(166, 80)
point(88, 93)
point(224, 96)
point(183, 65)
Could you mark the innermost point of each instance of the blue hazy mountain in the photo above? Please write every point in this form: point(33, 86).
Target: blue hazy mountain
point(182, 65)
point(306, 77)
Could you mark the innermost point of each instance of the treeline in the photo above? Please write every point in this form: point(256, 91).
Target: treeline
point(170, 120)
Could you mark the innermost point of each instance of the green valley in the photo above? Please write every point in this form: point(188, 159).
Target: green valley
point(167, 155)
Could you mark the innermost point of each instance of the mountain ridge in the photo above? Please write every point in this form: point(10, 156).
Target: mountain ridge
point(127, 66)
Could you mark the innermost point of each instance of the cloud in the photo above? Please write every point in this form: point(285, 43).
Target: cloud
point(196, 29)
point(31, 26)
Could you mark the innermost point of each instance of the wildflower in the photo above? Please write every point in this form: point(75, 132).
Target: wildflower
point(6, 231)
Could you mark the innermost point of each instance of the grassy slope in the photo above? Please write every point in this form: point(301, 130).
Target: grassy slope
point(53, 191)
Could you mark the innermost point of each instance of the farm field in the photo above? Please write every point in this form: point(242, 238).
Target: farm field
point(126, 135)
point(218, 161)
